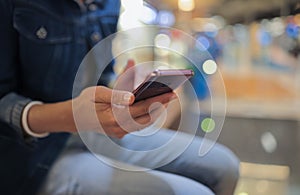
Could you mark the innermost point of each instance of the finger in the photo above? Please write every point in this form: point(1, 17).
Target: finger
point(126, 79)
point(145, 120)
point(142, 107)
point(120, 129)
point(150, 118)
point(115, 132)
point(109, 96)
point(119, 134)
point(130, 64)
point(122, 115)
point(172, 99)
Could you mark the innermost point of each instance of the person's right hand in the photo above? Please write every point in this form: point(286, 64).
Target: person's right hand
point(112, 112)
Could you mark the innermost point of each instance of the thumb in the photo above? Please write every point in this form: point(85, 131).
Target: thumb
point(126, 79)
point(111, 96)
point(130, 64)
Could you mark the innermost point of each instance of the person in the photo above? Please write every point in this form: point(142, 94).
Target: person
point(42, 45)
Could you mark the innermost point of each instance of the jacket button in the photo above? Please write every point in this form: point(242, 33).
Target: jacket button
point(93, 7)
point(41, 33)
point(96, 36)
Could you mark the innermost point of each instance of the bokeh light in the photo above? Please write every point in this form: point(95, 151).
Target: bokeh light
point(208, 125)
point(203, 43)
point(162, 41)
point(277, 27)
point(292, 30)
point(264, 37)
point(166, 18)
point(186, 5)
point(209, 67)
point(268, 142)
point(210, 29)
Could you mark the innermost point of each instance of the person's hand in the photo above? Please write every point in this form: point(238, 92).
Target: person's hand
point(112, 112)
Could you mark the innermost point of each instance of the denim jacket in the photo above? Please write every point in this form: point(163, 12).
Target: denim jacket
point(42, 45)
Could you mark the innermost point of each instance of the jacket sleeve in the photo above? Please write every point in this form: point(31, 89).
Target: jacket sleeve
point(11, 103)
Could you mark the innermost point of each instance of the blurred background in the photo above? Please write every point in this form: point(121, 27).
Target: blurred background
point(256, 47)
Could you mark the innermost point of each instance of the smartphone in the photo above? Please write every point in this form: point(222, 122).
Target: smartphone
point(160, 82)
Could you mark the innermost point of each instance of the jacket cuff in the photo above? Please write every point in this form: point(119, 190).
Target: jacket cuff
point(12, 106)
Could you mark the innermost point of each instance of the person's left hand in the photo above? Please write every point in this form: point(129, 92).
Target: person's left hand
point(126, 81)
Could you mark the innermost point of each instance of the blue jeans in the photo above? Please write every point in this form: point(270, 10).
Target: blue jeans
point(78, 171)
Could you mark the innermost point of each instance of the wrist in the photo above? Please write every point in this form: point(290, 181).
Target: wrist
point(54, 118)
point(67, 119)
point(26, 128)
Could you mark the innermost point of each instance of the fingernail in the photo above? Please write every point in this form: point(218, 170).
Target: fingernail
point(130, 62)
point(127, 97)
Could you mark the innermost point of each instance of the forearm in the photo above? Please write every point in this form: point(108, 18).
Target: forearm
point(51, 118)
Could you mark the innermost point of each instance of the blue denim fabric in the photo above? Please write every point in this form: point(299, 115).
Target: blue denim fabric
point(215, 173)
point(42, 45)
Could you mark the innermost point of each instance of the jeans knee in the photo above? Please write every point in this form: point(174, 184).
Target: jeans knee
point(232, 168)
point(230, 172)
